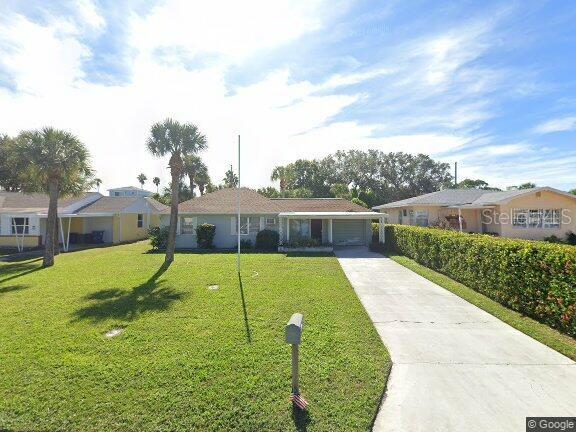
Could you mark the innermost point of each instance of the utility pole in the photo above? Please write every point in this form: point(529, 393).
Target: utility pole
point(456, 175)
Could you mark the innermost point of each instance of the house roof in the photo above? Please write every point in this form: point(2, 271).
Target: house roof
point(224, 201)
point(35, 202)
point(127, 188)
point(117, 204)
point(467, 197)
point(317, 205)
point(16, 202)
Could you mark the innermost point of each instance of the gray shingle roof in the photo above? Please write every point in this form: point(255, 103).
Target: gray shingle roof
point(224, 201)
point(117, 204)
point(444, 197)
point(463, 197)
point(34, 202)
point(318, 205)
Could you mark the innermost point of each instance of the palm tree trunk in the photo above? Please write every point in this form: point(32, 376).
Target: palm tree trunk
point(51, 223)
point(192, 185)
point(175, 171)
point(56, 237)
point(201, 187)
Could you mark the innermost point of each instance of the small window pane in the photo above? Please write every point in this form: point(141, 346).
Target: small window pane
point(140, 220)
point(243, 225)
point(20, 225)
point(187, 225)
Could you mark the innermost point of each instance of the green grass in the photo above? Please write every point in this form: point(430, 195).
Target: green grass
point(541, 332)
point(184, 361)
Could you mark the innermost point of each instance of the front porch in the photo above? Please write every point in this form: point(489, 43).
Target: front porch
point(321, 231)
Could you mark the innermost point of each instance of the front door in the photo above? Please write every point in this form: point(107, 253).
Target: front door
point(316, 229)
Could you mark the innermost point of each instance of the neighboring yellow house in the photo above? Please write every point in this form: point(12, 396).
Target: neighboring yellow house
point(524, 213)
point(88, 219)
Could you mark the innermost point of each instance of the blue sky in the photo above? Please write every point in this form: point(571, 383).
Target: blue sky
point(491, 85)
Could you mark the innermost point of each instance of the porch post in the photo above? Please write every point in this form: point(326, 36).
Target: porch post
point(460, 218)
point(381, 231)
point(62, 234)
point(330, 230)
point(68, 236)
point(287, 230)
point(280, 229)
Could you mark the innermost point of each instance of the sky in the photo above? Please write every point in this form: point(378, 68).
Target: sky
point(490, 85)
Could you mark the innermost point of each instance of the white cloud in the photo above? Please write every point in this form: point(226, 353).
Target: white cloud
point(90, 14)
point(557, 125)
point(280, 118)
point(234, 30)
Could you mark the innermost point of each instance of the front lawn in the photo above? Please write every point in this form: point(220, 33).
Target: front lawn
point(189, 358)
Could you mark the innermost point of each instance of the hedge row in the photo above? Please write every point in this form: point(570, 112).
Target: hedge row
point(534, 278)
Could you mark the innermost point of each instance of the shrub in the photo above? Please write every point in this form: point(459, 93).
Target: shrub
point(205, 235)
point(375, 233)
point(158, 237)
point(267, 240)
point(553, 239)
point(571, 238)
point(245, 244)
point(534, 278)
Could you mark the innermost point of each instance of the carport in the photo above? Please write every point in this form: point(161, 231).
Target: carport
point(337, 228)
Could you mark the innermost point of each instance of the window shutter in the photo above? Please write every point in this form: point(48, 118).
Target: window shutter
point(233, 225)
point(262, 225)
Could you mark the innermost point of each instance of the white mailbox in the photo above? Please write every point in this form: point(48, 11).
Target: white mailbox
point(294, 329)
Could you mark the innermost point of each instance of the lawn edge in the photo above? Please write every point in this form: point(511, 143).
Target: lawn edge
point(544, 334)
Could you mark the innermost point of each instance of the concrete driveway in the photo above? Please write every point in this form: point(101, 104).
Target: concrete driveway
point(455, 367)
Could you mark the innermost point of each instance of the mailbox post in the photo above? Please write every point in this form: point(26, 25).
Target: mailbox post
point(293, 333)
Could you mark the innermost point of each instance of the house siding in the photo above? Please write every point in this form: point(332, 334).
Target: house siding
point(546, 200)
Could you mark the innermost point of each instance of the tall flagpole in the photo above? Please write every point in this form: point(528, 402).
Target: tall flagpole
point(238, 218)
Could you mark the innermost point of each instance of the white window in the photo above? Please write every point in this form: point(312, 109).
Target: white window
point(270, 221)
point(20, 225)
point(551, 218)
point(254, 224)
point(536, 218)
point(188, 225)
point(140, 220)
point(519, 218)
point(244, 225)
point(299, 228)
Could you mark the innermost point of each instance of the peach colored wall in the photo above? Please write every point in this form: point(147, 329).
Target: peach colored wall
point(546, 200)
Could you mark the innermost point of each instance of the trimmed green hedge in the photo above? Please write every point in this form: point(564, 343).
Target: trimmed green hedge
point(534, 278)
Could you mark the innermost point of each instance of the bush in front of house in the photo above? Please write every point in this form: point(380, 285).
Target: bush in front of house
point(205, 235)
point(571, 238)
point(245, 244)
point(535, 278)
point(158, 237)
point(267, 240)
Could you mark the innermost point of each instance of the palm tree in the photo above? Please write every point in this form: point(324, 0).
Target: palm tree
point(142, 179)
point(280, 173)
point(98, 182)
point(177, 140)
point(202, 178)
point(58, 164)
point(156, 181)
point(192, 165)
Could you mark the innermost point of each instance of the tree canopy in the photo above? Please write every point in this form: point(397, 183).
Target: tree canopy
point(372, 177)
